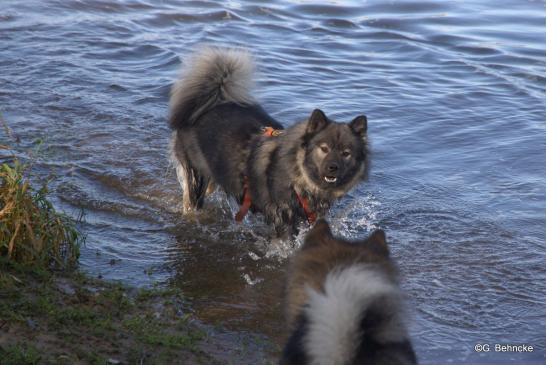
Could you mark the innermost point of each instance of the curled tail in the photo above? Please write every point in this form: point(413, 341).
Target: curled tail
point(211, 77)
point(355, 319)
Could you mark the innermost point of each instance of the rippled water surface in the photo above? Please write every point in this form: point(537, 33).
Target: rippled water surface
point(455, 94)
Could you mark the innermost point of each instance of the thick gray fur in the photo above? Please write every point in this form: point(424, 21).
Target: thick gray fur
point(211, 77)
point(217, 139)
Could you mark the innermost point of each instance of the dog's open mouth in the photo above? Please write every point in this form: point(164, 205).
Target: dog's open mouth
point(330, 179)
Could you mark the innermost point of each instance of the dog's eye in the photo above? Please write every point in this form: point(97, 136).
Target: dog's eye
point(346, 153)
point(324, 148)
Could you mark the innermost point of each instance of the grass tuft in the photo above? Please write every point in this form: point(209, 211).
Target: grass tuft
point(19, 355)
point(32, 232)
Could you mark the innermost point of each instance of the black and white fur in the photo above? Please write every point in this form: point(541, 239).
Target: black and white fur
point(344, 306)
point(217, 140)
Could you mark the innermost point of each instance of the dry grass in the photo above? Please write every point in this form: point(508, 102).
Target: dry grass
point(31, 230)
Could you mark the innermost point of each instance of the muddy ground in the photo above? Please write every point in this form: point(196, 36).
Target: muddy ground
point(69, 318)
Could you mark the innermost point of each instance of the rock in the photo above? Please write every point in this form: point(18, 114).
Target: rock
point(65, 287)
point(31, 323)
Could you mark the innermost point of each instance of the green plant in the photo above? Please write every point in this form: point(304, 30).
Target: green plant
point(31, 230)
point(19, 355)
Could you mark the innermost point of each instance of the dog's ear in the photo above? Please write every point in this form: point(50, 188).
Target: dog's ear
point(317, 122)
point(377, 242)
point(359, 125)
point(318, 235)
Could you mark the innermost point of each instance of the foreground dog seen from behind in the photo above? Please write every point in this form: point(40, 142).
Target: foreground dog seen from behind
point(343, 304)
point(288, 175)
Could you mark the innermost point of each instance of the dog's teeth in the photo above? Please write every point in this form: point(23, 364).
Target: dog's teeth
point(330, 179)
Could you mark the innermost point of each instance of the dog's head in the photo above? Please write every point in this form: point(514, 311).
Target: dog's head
point(373, 249)
point(335, 155)
point(321, 252)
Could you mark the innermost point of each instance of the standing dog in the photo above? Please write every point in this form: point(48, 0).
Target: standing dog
point(343, 304)
point(217, 139)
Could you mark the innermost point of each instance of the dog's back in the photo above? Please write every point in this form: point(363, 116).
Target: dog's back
point(344, 305)
point(213, 117)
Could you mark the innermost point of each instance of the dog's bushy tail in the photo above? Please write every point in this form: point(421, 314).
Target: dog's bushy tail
point(211, 76)
point(356, 319)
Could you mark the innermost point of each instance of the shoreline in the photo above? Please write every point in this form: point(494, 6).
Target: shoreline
point(70, 318)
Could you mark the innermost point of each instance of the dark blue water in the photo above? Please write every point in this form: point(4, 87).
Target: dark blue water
point(455, 94)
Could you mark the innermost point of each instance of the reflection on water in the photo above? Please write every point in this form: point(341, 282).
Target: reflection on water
point(454, 93)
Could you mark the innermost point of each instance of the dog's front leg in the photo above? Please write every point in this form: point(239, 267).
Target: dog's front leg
point(284, 232)
point(287, 230)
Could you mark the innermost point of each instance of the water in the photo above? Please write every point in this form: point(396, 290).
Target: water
point(455, 96)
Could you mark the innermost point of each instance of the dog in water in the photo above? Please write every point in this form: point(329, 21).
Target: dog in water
point(343, 304)
point(218, 139)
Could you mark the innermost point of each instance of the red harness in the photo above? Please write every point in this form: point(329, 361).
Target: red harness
point(247, 201)
point(311, 216)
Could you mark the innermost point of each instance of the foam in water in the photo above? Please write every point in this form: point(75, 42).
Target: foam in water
point(251, 281)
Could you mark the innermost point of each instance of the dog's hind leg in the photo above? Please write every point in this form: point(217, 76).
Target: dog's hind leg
point(210, 188)
point(193, 183)
point(183, 179)
point(194, 187)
